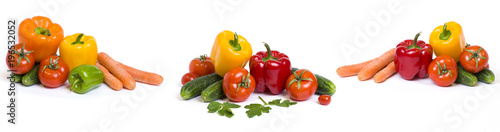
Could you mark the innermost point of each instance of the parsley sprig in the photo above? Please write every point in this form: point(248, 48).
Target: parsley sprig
point(254, 109)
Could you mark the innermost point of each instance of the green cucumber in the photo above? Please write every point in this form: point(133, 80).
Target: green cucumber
point(17, 77)
point(325, 86)
point(465, 77)
point(485, 76)
point(194, 87)
point(213, 92)
point(31, 77)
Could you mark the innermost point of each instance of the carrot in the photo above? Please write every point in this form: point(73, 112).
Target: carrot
point(369, 70)
point(143, 76)
point(117, 70)
point(109, 79)
point(385, 73)
point(352, 70)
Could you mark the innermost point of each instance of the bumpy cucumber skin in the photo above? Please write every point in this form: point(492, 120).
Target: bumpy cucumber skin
point(31, 77)
point(213, 92)
point(194, 87)
point(325, 86)
point(485, 76)
point(17, 77)
point(466, 78)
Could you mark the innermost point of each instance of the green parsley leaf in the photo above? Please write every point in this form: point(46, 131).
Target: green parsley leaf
point(285, 103)
point(214, 106)
point(256, 110)
point(222, 109)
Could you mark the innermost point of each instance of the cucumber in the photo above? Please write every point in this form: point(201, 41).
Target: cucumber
point(17, 77)
point(194, 87)
point(485, 76)
point(213, 92)
point(465, 77)
point(31, 77)
point(325, 86)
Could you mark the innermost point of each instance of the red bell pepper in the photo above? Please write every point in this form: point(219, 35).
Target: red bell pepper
point(413, 58)
point(270, 70)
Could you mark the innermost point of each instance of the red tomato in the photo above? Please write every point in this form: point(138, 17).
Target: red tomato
point(201, 66)
point(443, 70)
point(53, 71)
point(474, 59)
point(324, 99)
point(488, 66)
point(21, 59)
point(238, 84)
point(301, 85)
point(188, 77)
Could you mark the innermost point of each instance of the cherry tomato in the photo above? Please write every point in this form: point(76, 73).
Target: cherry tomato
point(324, 99)
point(188, 77)
point(443, 70)
point(201, 66)
point(21, 59)
point(474, 59)
point(238, 84)
point(301, 85)
point(488, 66)
point(53, 71)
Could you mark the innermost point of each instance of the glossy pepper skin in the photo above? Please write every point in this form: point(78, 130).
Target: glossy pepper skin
point(41, 35)
point(270, 70)
point(85, 78)
point(230, 50)
point(78, 49)
point(448, 39)
point(413, 58)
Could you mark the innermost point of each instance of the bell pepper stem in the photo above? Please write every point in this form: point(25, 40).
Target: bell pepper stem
point(445, 35)
point(235, 44)
point(269, 53)
point(414, 45)
point(78, 40)
point(42, 31)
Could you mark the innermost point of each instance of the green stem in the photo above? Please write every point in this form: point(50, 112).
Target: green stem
point(414, 45)
point(298, 79)
point(445, 35)
point(269, 53)
point(78, 40)
point(52, 64)
point(475, 55)
point(22, 55)
point(265, 103)
point(245, 82)
point(42, 31)
point(235, 44)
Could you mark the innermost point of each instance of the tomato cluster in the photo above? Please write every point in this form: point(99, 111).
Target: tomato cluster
point(198, 67)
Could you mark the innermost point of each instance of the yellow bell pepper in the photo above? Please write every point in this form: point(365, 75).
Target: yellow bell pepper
point(448, 39)
point(230, 50)
point(78, 49)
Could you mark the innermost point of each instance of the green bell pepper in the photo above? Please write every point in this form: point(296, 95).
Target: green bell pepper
point(85, 78)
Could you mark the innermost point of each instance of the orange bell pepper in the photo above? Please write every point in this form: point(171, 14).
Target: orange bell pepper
point(41, 35)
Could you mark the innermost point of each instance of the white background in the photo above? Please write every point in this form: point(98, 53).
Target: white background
point(163, 37)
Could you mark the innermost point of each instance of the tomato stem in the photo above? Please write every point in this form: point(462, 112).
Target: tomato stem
point(22, 55)
point(78, 40)
point(445, 35)
point(42, 31)
point(298, 79)
point(475, 55)
point(52, 64)
point(245, 82)
point(443, 70)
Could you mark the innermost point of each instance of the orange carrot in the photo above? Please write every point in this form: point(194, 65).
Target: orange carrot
point(369, 70)
point(385, 73)
point(352, 70)
point(109, 79)
point(143, 76)
point(117, 70)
